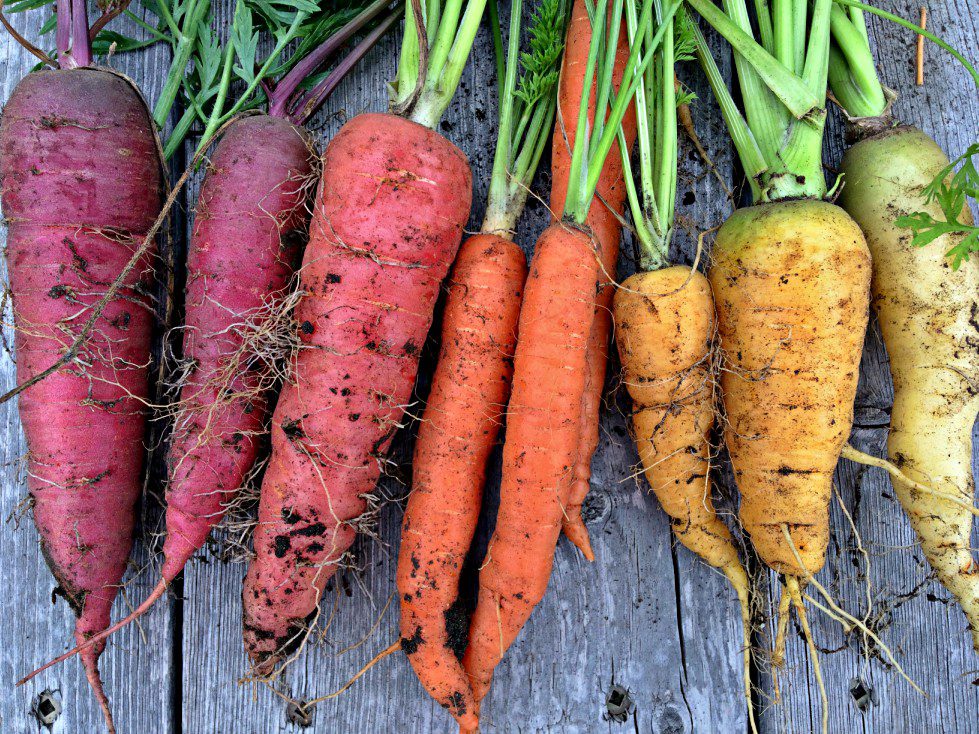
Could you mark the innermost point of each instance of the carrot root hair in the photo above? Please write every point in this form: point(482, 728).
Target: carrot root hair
point(84, 648)
point(860, 457)
point(392, 648)
point(847, 620)
point(794, 593)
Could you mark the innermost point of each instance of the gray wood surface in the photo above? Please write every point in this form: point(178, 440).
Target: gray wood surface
point(646, 615)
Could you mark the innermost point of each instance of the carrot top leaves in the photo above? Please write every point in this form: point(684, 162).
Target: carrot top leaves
point(228, 78)
point(434, 52)
point(526, 111)
point(653, 202)
point(951, 188)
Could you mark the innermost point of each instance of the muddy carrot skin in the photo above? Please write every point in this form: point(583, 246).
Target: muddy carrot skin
point(386, 226)
point(461, 422)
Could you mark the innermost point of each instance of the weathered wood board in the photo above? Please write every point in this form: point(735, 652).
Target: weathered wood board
point(645, 615)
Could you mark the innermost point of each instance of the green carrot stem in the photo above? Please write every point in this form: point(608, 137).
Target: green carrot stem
point(494, 18)
point(195, 15)
point(749, 152)
point(853, 74)
point(527, 109)
point(790, 89)
point(856, 5)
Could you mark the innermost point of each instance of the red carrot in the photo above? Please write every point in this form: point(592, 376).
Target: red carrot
point(81, 188)
point(251, 218)
point(387, 223)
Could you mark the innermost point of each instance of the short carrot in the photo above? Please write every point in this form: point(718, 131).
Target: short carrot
point(665, 331)
point(471, 384)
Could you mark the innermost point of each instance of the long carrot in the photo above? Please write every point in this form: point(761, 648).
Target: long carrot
point(80, 177)
point(550, 377)
point(471, 384)
point(386, 227)
point(895, 176)
point(604, 220)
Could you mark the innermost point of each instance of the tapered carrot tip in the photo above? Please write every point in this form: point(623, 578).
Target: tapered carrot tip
point(578, 534)
point(90, 659)
point(468, 723)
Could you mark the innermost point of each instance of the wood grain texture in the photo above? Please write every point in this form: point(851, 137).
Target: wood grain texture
point(34, 630)
point(645, 615)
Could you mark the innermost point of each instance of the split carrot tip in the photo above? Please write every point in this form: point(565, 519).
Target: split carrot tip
point(578, 534)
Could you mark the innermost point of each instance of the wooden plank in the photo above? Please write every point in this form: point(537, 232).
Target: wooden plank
point(917, 620)
point(136, 667)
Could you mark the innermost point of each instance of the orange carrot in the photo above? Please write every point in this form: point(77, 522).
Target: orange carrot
point(472, 381)
point(550, 374)
point(541, 445)
point(457, 434)
point(604, 219)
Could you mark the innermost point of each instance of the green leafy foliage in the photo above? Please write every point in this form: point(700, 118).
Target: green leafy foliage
point(684, 39)
point(951, 189)
point(540, 63)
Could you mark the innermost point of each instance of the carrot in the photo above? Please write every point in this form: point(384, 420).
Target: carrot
point(387, 223)
point(665, 331)
point(471, 384)
point(81, 189)
point(457, 433)
point(251, 219)
point(897, 176)
point(791, 282)
point(243, 249)
point(550, 376)
point(604, 220)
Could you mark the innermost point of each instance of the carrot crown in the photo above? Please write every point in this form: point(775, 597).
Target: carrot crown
point(783, 88)
point(436, 45)
point(527, 110)
point(591, 146)
point(653, 201)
